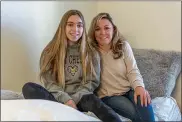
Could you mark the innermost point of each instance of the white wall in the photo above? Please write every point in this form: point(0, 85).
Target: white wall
point(147, 24)
point(26, 27)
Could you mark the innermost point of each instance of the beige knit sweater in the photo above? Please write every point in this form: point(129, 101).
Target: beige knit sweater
point(118, 76)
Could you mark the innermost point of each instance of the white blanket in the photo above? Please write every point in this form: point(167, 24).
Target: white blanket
point(40, 110)
point(165, 109)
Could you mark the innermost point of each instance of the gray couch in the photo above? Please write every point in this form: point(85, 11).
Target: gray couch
point(161, 71)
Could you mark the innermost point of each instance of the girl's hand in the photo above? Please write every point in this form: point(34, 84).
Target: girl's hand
point(71, 103)
point(144, 96)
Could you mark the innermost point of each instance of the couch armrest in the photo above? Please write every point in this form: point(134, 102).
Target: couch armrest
point(177, 91)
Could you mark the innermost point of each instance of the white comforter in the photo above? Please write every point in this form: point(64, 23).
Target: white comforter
point(165, 109)
point(40, 110)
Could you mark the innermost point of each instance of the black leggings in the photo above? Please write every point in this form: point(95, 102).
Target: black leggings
point(87, 103)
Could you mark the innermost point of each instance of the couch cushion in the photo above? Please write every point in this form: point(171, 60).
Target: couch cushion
point(159, 69)
point(10, 95)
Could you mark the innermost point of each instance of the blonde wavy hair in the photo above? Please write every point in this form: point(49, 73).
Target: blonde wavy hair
point(117, 40)
point(53, 56)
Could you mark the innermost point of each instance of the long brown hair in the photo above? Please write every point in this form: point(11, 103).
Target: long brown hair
point(117, 40)
point(53, 56)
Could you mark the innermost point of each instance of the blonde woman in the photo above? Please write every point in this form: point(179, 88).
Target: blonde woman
point(70, 70)
point(122, 86)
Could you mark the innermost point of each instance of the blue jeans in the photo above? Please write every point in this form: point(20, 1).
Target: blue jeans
point(126, 107)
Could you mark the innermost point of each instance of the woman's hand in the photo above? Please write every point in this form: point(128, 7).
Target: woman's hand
point(144, 96)
point(71, 103)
